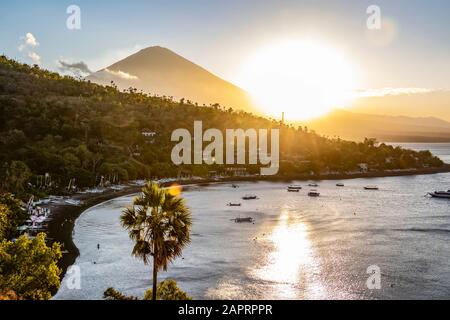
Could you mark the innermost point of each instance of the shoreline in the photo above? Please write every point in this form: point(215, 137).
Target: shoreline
point(64, 216)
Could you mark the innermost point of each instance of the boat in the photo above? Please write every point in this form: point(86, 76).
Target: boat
point(73, 202)
point(294, 187)
point(440, 194)
point(249, 197)
point(240, 220)
point(315, 185)
point(234, 186)
point(293, 190)
point(230, 204)
point(371, 188)
point(340, 185)
point(313, 193)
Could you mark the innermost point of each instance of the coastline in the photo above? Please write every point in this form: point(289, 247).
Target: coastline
point(64, 216)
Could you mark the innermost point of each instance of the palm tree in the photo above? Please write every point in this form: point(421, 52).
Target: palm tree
point(159, 223)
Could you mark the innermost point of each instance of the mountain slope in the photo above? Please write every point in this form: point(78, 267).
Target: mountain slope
point(158, 70)
point(357, 126)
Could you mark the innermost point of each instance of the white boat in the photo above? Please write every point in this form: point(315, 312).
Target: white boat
point(73, 202)
point(117, 187)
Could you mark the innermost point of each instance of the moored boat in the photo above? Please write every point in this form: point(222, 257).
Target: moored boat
point(340, 185)
point(440, 194)
point(240, 220)
point(250, 197)
point(231, 204)
point(371, 188)
point(315, 185)
point(313, 193)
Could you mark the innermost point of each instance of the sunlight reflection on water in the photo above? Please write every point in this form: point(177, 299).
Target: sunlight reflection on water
point(291, 260)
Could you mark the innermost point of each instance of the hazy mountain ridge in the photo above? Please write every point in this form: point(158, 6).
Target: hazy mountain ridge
point(357, 126)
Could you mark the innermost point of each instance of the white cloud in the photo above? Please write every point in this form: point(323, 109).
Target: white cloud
point(34, 57)
point(30, 40)
point(121, 74)
point(28, 43)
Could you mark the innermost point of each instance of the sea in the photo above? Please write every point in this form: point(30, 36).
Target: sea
point(349, 243)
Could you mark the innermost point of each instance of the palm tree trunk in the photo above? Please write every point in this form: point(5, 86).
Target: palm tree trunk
point(155, 274)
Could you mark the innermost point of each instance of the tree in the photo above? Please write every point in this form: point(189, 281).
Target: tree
point(113, 294)
point(11, 215)
point(159, 223)
point(14, 175)
point(168, 290)
point(4, 222)
point(29, 267)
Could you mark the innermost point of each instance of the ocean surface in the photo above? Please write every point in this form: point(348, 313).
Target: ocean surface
point(297, 248)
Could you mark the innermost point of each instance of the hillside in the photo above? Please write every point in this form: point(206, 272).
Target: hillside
point(55, 129)
point(159, 71)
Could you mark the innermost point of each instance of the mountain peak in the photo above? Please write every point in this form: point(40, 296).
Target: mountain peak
point(159, 70)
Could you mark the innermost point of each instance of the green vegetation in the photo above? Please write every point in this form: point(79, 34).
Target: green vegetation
point(28, 268)
point(113, 294)
point(159, 223)
point(11, 216)
point(74, 129)
point(167, 290)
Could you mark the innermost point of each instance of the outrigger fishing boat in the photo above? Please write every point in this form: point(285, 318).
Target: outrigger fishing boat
point(231, 204)
point(240, 220)
point(294, 188)
point(440, 194)
point(249, 197)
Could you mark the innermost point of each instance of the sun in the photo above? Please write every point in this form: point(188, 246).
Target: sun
point(303, 79)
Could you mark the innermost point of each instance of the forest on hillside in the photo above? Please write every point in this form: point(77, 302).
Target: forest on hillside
point(65, 130)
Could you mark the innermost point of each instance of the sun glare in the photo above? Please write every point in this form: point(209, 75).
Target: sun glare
point(302, 79)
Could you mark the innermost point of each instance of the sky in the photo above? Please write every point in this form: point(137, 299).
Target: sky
point(414, 50)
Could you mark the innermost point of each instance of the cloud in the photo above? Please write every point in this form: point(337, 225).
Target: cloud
point(34, 57)
point(28, 43)
point(30, 40)
point(121, 74)
point(381, 92)
point(77, 68)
